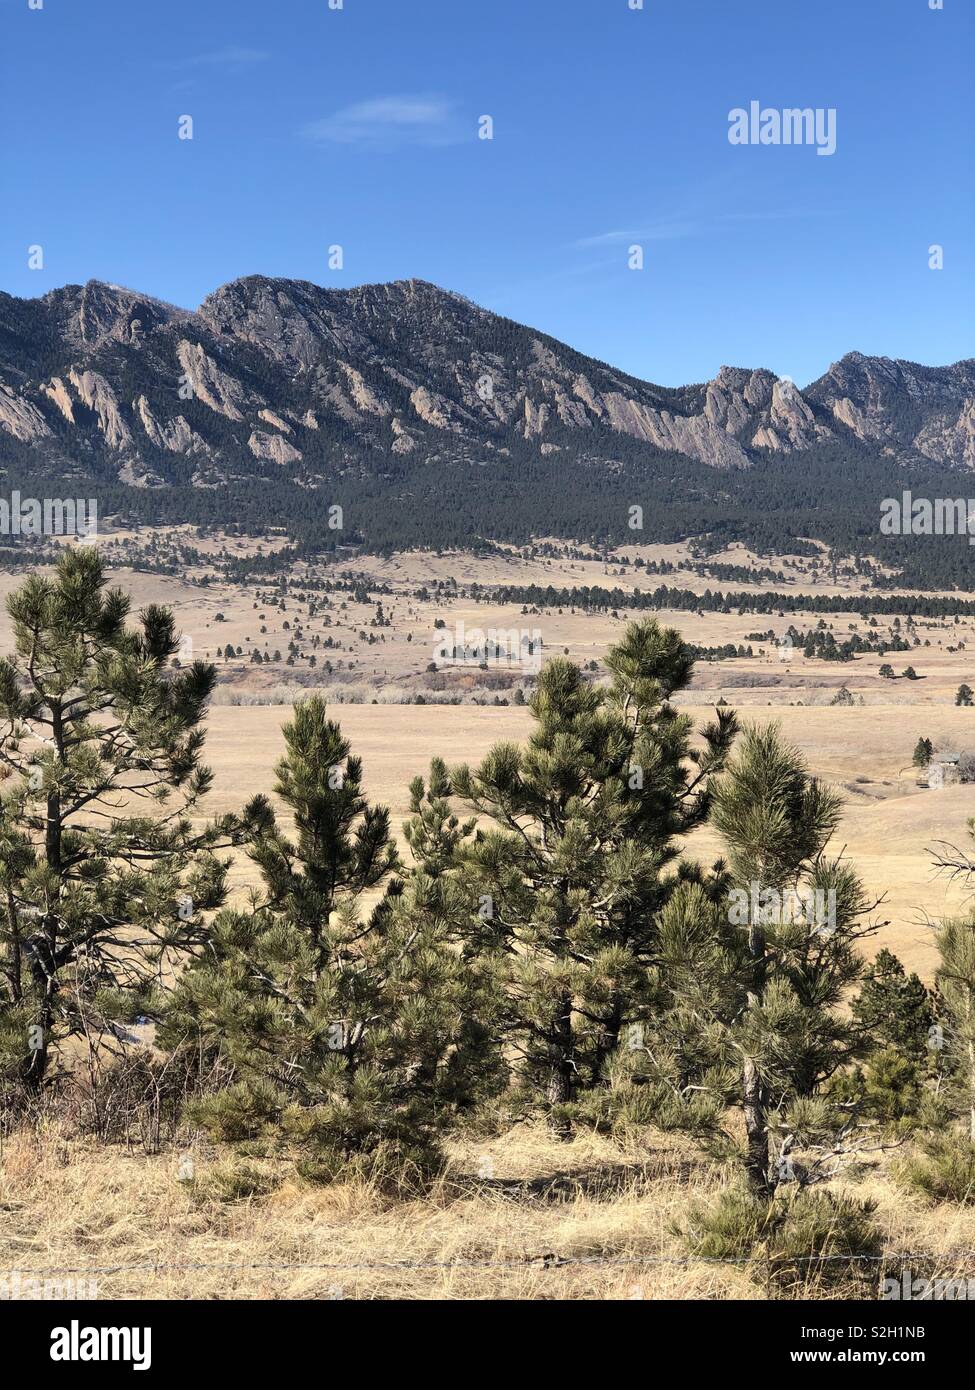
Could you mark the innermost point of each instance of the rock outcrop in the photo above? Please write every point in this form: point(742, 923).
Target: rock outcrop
point(323, 381)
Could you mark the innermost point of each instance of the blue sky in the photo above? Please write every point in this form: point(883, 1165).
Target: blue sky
point(358, 127)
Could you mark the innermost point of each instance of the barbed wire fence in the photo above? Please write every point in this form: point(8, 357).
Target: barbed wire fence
point(535, 1262)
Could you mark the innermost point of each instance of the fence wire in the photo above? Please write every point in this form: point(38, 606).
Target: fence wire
point(526, 1263)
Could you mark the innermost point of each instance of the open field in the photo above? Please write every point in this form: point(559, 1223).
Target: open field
point(499, 1225)
point(889, 824)
point(510, 1207)
point(337, 639)
point(863, 749)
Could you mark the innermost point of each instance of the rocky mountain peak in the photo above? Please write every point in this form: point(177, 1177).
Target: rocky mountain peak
point(273, 373)
point(97, 313)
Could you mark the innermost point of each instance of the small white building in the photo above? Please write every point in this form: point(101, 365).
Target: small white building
point(942, 770)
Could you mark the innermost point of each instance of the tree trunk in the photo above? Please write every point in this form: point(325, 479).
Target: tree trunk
point(41, 948)
point(612, 1029)
point(40, 955)
point(16, 983)
point(753, 1092)
point(756, 1159)
point(561, 1083)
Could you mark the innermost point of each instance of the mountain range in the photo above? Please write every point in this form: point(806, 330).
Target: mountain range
point(274, 379)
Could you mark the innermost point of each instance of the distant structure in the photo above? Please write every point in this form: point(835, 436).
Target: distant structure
point(943, 770)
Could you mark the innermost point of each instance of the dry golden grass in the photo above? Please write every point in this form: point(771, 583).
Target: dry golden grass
point(889, 825)
point(127, 1221)
point(397, 660)
point(71, 1205)
point(67, 1203)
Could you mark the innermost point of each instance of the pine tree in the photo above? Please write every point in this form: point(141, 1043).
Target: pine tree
point(753, 968)
point(893, 1009)
point(578, 857)
point(923, 750)
point(777, 823)
point(433, 832)
point(676, 1068)
point(357, 1036)
point(964, 695)
point(891, 1085)
point(943, 1166)
point(105, 879)
point(955, 980)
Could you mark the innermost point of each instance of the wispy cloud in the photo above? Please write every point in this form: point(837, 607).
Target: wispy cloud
point(778, 215)
point(388, 121)
point(233, 57)
point(680, 230)
point(659, 231)
point(702, 209)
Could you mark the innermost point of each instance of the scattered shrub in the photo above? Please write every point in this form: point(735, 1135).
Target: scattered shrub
point(799, 1238)
point(943, 1170)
